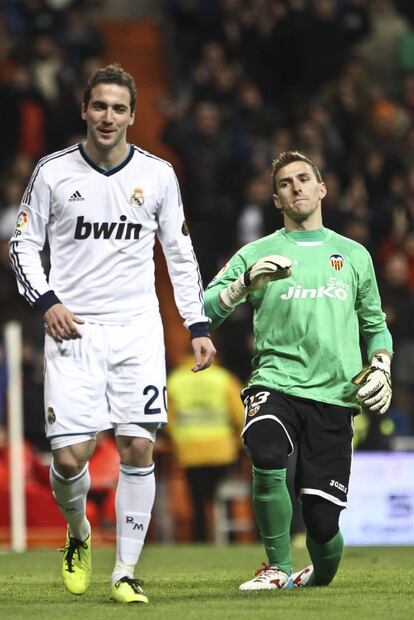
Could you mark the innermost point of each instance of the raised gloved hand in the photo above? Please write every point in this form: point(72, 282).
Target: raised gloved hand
point(265, 270)
point(375, 391)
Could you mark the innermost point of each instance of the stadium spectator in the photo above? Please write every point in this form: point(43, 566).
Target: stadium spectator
point(398, 303)
point(256, 211)
point(205, 419)
point(204, 147)
point(305, 361)
point(381, 44)
point(104, 349)
point(31, 112)
point(79, 38)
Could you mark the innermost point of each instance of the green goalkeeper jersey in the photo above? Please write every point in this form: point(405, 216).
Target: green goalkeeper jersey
point(307, 327)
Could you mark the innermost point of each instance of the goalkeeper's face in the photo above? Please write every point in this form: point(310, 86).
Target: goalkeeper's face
point(299, 193)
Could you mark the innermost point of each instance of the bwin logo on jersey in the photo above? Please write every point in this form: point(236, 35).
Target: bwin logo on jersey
point(298, 292)
point(106, 230)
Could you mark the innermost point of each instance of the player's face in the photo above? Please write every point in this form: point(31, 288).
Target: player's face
point(298, 192)
point(108, 116)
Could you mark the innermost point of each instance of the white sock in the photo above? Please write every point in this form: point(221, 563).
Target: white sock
point(134, 500)
point(70, 495)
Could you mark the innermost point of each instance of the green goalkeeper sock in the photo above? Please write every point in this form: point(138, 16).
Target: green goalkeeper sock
point(273, 510)
point(325, 559)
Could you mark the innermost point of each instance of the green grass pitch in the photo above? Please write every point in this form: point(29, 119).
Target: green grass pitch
point(201, 583)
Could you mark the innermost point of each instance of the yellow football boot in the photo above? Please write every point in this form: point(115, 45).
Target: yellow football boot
point(77, 564)
point(128, 590)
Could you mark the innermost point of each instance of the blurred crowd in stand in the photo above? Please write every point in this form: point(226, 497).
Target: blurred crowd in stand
point(248, 79)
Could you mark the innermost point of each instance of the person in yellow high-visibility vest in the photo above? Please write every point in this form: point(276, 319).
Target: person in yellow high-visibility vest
point(205, 419)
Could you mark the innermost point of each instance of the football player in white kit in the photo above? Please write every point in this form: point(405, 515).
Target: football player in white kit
point(100, 204)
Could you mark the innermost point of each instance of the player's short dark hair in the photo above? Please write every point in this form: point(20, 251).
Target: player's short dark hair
point(288, 157)
point(111, 74)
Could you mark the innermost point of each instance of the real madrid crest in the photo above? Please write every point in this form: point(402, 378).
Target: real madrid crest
point(337, 261)
point(51, 416)
point(137, 197)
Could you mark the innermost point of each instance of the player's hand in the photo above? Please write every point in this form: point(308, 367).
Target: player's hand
point(204, 353)
point(265, 270)
point(60, 323)
point(375, 392)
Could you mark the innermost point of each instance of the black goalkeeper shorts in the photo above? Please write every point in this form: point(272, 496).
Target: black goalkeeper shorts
point(321, 434)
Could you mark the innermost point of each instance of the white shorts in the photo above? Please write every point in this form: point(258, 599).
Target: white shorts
point(147, 431)
point(114, 374)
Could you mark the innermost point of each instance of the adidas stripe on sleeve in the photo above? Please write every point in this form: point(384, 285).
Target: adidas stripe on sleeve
point(181, 261)
point(29, 239)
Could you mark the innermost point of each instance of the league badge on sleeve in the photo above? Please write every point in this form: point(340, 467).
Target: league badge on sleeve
point(22, 221)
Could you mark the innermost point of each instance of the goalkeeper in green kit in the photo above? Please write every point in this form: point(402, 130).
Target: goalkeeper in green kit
point(313, 293)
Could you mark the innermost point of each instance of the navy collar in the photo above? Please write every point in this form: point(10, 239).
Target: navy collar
point(106, 173)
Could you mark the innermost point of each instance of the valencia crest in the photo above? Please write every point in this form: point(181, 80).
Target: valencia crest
point(337, 261)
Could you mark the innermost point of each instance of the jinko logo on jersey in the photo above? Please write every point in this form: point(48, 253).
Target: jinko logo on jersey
point(337, 261)
point(137, 197)
point(22, 220)
point(334, 289)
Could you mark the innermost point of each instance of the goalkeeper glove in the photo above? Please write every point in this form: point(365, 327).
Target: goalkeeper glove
point(265, 270)
point(375, 391)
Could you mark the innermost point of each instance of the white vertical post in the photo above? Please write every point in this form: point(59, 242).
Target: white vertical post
point(13, 345)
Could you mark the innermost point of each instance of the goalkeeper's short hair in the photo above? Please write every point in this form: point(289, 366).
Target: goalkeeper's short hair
point(288, 157)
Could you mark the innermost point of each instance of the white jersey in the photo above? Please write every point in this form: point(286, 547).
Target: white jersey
point(101, 228)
